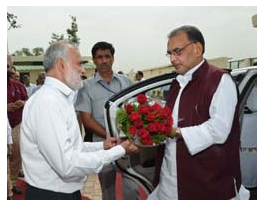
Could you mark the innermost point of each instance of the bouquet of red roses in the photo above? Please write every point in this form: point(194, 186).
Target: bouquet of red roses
point(147, 123)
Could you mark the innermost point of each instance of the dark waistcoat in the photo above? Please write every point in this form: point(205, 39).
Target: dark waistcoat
point(209, 174)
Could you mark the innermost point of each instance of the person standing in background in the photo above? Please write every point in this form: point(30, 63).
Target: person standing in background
point(9, 152)
point(90, 104)
point(139, 76)
point(40, 81)
point(29, 86)
point(16, 97)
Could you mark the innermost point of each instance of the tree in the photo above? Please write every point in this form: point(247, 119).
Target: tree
point(18, 53)
point(56, 37)
point(12, 20)
point(26, 52)
point(37, 51)
point(72, 32)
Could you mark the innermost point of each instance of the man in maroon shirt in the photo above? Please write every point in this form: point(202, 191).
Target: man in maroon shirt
point(16, 97)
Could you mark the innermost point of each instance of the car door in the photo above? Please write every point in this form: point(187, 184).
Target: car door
point(248, 119)
point(141, 166)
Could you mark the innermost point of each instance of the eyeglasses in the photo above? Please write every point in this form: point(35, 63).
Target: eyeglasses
point(178, 51)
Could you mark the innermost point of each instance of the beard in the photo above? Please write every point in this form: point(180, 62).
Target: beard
point(73, 78)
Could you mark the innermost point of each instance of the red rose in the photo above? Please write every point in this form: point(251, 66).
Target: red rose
point(141, 98)
point(167, 111)
point(150, 117)
point(144, 109)
point(138, 123)
point(162, 115)
point(147, 141)
point(156, 107)
point(134, 116)
point(152, 127)
point(143, 133)
point(163, 129)
point(169, 122)
point(168, 130)
point(132, 130)
point(158, 126)
point(128, 108)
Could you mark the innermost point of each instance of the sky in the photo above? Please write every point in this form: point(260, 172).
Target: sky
point(139, 33)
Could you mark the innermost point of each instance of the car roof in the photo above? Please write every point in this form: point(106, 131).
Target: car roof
point(243, 70)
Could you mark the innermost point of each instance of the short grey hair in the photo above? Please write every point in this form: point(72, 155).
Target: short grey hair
point(57, 50)
point(193, 34)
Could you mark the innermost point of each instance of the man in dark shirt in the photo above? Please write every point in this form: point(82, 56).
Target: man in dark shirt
point(16, 97)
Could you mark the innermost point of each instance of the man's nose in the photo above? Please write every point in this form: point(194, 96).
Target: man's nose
point(173, 57)
point(82, 70)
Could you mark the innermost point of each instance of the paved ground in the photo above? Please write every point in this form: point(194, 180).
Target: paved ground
point(92, 188)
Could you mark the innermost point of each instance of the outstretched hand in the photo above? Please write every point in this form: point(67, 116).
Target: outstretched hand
point(129, 146)
point(110, 142)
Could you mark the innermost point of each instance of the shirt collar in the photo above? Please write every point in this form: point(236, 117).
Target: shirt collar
point(184, 79)
point(53, 82)
point(98, 78)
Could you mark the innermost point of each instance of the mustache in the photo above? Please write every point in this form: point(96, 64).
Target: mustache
point(176, 63)
point(104, 64)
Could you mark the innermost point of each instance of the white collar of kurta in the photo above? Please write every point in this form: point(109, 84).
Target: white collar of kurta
point(53, 82)
point(184, 79)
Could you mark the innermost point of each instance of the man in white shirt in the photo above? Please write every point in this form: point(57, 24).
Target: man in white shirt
point(202, 162)
point(55, 160)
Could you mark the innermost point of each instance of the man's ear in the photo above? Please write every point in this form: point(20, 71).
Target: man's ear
point(198, 49)
point(60, 64)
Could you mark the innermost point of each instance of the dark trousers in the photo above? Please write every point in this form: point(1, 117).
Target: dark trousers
point(33, 193)
point(253, 193)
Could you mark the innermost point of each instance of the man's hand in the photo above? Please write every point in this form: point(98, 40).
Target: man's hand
point(110, 142)
point(129, 147)
point(19, 103)
point(11, 107)
point(175, 133)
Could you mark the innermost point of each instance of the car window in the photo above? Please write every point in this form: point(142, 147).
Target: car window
point(248, 147)
point(238, 78)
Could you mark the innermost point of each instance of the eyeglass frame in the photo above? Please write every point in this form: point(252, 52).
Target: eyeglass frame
point(178, 51)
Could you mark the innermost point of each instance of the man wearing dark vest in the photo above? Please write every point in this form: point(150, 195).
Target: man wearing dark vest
point(202, 162)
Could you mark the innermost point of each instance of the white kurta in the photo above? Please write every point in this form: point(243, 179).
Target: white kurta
point(197, 138)
point(54, 155)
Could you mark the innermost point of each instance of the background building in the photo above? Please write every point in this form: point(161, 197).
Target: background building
point(32, 65)
point(221, 62)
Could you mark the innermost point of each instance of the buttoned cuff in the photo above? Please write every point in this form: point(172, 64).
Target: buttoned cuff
point(116, 152)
